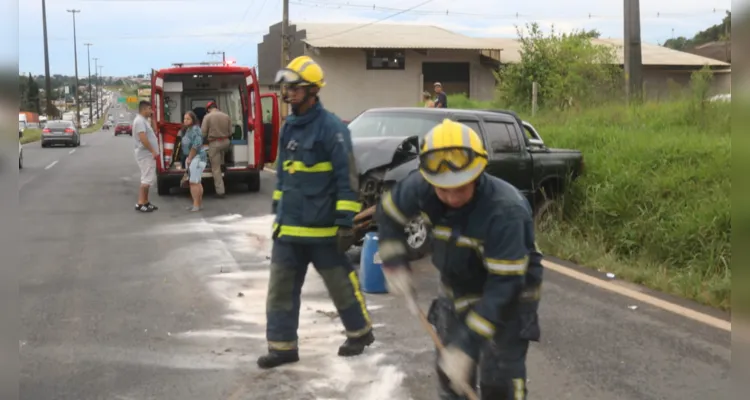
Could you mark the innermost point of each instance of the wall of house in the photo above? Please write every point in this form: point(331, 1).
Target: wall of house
point(662, 83)
point(351, 88)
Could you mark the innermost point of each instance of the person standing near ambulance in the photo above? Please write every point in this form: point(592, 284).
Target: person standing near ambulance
point(490, 269)
point(217, 127)
point(315, 202)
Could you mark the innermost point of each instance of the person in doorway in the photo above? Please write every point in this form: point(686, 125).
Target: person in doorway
point(217, 128)
point(315, 202)
point(490, 269)
point(146, 154)
point(427, 99)
point(194, 151)
point(441, 100)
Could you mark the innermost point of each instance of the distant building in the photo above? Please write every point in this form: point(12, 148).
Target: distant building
point(719, 50)
point(382, 65)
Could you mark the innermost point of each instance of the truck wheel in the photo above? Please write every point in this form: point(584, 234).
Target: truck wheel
point(253, 182)
point(162, 186)
point(417, 238)
point(547, 212)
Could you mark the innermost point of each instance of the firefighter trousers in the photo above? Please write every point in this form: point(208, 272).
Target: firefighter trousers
point(289, 262)
point(502, 364)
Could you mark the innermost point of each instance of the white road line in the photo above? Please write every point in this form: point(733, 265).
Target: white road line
point(52, 164)
point(642, 297)
point(633, 294)
point(72, 151)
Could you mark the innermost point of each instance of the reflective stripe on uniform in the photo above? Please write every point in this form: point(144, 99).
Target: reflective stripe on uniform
point(299, 166)
point(519, 389)
point(506, 267)
point(282, 345)
point(444, 233)
point(303, 231)
point(390, 208)
point(277, 194)
point(462, 303)
point(361, 300)
point(348, 205)
point(480, 325)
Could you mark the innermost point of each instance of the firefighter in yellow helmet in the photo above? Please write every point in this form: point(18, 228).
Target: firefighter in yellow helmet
point(483, 247)
point(315, 202)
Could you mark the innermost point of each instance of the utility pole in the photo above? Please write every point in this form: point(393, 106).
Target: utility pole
point(75, 56)
point(216, 53)
point(96, 90)
point(47, 78)
point(88, 54)
point(101, 82)
point(285, 51)
point(632, 49)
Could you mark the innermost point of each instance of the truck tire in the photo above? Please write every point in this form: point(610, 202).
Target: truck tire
point(162, 186)
point(547, 211)
point(253, 181)
point(418, 238)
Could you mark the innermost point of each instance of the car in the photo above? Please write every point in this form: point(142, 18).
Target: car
point(60, 132)
point(386, 148)
point(123, 128)
point(105, 126)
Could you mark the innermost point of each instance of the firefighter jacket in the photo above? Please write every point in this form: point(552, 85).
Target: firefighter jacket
point(485, 251)
point(317, 183)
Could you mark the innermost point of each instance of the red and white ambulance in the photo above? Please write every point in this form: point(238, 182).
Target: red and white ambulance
point(235, 89)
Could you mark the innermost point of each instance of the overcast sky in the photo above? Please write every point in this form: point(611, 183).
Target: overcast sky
point(133, 36)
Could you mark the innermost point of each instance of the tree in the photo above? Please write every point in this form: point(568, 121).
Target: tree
point(32, 95)
point(718, 32)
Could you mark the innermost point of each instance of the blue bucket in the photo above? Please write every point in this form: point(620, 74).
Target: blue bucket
point(371, 266)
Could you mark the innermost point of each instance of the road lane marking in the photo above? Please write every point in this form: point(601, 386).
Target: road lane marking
point(52, 164)
point(633, 294)
point(72, 151)
point(642, 297)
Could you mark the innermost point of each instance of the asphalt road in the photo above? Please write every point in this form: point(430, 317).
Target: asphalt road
point(120, 305)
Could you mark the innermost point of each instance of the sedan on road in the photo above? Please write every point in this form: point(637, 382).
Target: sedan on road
point(60, 132)
point(123, 128)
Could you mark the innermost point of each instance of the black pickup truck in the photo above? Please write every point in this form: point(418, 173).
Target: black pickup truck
point(386, 145)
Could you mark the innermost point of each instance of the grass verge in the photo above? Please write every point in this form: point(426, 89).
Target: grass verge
point(653, 205)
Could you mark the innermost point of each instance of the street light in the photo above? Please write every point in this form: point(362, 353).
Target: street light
point(75, 56)
point(47, 78)
point(88, 54)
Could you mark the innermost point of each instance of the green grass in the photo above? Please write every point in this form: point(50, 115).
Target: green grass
point(653, 205)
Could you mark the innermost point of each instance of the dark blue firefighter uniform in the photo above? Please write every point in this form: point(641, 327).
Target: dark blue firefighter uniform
point(316, 193)
point(490, 271)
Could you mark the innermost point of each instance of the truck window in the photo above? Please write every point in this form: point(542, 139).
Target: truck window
point(474, 125)
point(500, 136)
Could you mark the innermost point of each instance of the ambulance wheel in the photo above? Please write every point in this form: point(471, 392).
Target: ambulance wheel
point(162, 186)
point(253, 182)
point(417, 238)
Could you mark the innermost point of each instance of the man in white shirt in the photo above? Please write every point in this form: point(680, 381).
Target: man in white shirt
point(146, 154)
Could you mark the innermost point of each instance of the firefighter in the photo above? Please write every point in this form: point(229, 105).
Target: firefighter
point(484, 249)
point(315, 202)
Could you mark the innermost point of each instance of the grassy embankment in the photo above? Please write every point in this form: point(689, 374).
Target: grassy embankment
point(653, 206)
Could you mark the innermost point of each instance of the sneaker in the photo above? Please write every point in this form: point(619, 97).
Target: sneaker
point(151, 206)
point(143, 208)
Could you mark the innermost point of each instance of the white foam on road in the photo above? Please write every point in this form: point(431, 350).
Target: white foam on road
point(242, 286)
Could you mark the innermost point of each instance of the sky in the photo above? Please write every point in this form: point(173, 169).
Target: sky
point(133, 36)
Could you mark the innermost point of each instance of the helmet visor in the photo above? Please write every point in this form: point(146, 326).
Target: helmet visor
point(288, 77)
point(446, 160)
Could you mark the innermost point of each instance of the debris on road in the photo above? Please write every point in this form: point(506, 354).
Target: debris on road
point(610, 275)
point(633, 307)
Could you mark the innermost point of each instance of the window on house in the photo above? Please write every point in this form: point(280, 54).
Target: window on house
point(385, 59)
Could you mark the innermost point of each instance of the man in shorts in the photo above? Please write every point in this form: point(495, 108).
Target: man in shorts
point(146, 154)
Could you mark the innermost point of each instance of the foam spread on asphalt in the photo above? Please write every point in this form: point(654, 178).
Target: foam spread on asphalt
point(236, 266)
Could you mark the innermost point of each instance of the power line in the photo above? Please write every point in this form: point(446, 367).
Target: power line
point(242, 42)
point(139, 37)
point(242, 20)
point(374, 22)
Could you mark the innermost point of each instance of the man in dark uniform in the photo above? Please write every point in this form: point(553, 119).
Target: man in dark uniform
point(441, 100)
point(315, 202)
point(490, 270)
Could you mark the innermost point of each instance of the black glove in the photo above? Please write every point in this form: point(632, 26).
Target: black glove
point(344, 239)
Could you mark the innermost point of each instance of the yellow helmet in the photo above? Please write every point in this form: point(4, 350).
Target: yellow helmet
point(302, 71)
point(452, 155)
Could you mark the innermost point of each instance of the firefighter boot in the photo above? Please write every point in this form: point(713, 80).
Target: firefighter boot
point(275, 358)
point(355, 346)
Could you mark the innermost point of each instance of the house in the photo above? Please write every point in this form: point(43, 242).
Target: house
point(718, 50)
point(386, 64)
point(663, 68)
point(382, 65)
